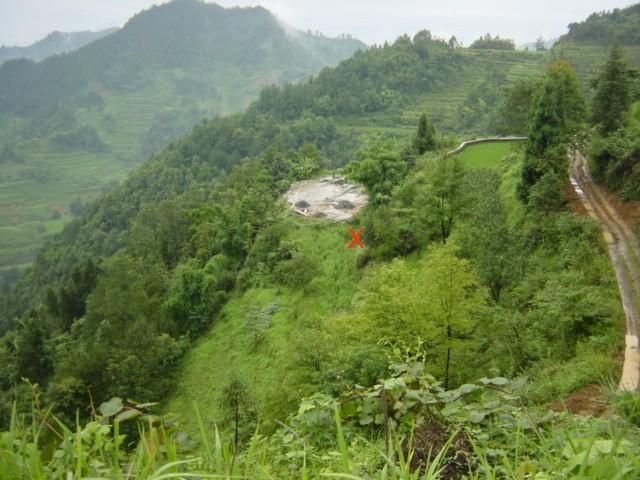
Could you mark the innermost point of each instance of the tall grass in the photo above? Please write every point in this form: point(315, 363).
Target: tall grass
point(38, 446)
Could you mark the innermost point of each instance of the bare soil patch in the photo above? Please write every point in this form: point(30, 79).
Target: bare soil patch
point(587, 401)
point(326, 197)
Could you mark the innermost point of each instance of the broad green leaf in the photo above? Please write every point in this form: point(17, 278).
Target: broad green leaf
point(477, 417)
point(110, 408)
point(127, 415)
point(467, 388)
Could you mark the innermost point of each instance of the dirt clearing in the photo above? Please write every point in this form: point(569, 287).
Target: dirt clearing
point(326, 197)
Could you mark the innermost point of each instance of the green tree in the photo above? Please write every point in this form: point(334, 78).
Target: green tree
point(516, 106)
point(484, 235)
point(547, 194)
point(238, 409)
point(160, 232)
point(71, 303)
point(380, 170)
point(613, 94)
point(298, 271)
point(569, 307)
point(455, 297)
point(441, 202)
point(33, 360)
point(558, 114)
point(123, 346)
point(196, 294)
point(493, 43)
point(438, 301)
point(425, 138)
point(559, 111)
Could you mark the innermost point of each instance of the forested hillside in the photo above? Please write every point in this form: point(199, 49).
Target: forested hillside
point(53, 44)
point(75, 124)
point(587, 43)
point(482, 308)
point(605, 28)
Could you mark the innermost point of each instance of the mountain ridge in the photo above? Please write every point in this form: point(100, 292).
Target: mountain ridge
point(54, 43)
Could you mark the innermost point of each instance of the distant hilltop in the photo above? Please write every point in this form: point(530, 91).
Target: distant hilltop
point(53, 44)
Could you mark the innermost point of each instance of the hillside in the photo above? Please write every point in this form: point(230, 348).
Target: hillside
point(587, 43)
point(53, 44)
point(473, 334)
point(605, 28)
point(337, 111)
point(76, 123)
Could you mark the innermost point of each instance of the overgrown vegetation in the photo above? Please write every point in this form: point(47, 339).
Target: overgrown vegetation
point(407, 426)
point(616, 149)
point(288, 355)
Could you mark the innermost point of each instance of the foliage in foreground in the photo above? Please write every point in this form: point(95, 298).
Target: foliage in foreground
point(405, 427)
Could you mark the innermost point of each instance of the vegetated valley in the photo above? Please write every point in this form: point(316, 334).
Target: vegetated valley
point(188, 324)
point(73, 125)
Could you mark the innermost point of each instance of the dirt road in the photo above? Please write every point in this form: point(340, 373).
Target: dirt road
point(624, 251)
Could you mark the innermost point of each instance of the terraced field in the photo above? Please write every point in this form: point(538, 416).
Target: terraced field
point(442, 104)
point(587, 59)
point(35, 195)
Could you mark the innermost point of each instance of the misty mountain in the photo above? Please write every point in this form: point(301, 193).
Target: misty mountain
point(53, 44)
point(82, 120)
point(207, 40)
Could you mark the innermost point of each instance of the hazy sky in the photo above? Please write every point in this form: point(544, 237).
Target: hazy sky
point(24, 21)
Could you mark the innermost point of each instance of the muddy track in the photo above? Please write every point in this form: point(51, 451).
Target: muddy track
point(624, 251)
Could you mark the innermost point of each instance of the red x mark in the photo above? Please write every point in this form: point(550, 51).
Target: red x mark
point(356, 238)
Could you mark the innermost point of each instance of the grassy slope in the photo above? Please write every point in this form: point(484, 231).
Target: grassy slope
point(229, 349)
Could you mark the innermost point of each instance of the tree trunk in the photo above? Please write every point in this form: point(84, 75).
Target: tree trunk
point(446, 368)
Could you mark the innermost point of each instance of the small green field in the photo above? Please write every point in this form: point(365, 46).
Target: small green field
point(487, 155)
point(506, 157)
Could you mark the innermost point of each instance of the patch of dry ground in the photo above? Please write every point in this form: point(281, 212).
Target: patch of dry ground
point(327, 197)
point(587, 401)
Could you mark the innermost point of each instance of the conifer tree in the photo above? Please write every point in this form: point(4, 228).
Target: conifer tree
point(425, 138)
point(557, 115)
point(613, 95)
